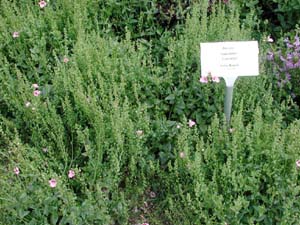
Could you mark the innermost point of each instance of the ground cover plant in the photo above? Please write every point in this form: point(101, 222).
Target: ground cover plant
point(104, 122)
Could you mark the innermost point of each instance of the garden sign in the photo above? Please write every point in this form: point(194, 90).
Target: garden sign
point(229, 60)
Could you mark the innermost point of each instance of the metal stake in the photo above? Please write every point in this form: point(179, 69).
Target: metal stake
point(228, 103)
point(228, 97)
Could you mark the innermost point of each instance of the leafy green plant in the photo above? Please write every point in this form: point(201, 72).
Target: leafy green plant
point(246, 175)
point(275, 17)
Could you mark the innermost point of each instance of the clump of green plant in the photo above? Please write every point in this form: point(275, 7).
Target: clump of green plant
point(243, 175)
point(144, 19)
point(275, 17)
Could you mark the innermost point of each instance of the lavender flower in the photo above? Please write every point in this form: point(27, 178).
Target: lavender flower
point(287, 42)
point(297, 42)
point(282, 58)
point(270, 56)
point(289, 45)
point(286, 65)
point(293, 95)
point(289, 65)
point(279, 84)
point(288, 76)
point(289, 56)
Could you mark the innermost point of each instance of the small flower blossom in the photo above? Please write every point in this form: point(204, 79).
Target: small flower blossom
point(203, 79)
point(145, 224)
point(298, 164)
point(52, 183)
point(289, 56)
point(289, 65)
point(139, 132)
point(279, 84)
point(16, 34)
point(288, 76)
point(45, 150)
point(270, 39)
point(192, 123)
point(65, 60)
point(270, 56)
point(16, 170)
point(36, 93)
point(286, 40)
point(178, 126)
point(182, 155)
point(297, 41)
point(289, 45)
point(135, 209)
point(35, 86)
point(33, 108)
point(215, 79)
point(71, 174)
point(27, 104)
point(231, 130)
point(42, 4)
point(282, 58)
point(146, 204)
point(152, 194)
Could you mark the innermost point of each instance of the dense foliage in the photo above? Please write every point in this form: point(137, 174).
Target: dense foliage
point(103, 119)
point(274, 16)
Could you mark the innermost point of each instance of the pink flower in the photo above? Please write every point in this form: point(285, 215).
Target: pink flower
point(36, 93)
point(152, 194)
point(215, 79)
point(16, 170)
point(298, 163)
point(139, 132)
point(65, 60)
point(71, 174)
point(182, 155)
point(27, 104)
point(16, 34)
point(192, 123)
point(35, 86)
point(269, 39)
point(42, 4)
point(52, 183)
point(203, 79)
point(145, 224)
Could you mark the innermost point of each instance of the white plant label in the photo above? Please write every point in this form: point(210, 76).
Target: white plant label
point(229, 59)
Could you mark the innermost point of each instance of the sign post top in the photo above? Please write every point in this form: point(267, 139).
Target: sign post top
point(230, 59)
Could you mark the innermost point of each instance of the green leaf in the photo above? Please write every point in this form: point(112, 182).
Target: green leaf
point(23, 213)
point(54, 218)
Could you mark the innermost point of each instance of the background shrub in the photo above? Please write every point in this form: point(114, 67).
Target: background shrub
point(274, 17)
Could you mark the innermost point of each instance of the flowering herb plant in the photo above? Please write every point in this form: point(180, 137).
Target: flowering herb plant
point(286, 67)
